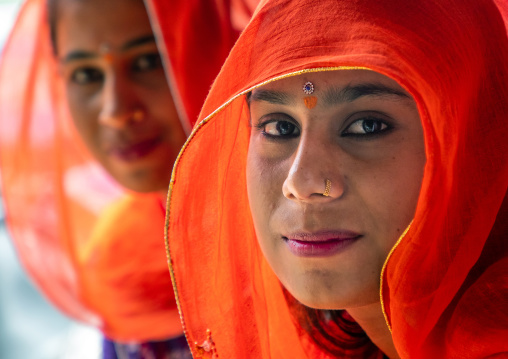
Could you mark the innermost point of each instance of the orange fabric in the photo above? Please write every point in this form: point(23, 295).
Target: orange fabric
point(54, 192)
point(503, 9)
point(117, 291)
point(198, 35)
point(445, 287)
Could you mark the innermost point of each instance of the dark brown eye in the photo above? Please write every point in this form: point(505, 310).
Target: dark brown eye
point(371, 126)
point(285, 128)
point(281, 129)
point(87, 75)
point(366, 126)
point(147, 62)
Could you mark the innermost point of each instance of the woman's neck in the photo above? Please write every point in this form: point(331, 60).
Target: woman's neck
point(372, 321)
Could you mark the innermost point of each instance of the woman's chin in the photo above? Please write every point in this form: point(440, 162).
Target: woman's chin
point(142, 181)
point(335, 299)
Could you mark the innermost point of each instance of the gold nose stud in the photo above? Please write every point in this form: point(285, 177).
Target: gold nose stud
point(328, 187)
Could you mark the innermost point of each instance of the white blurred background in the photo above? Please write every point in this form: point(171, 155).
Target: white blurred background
point(30, 327)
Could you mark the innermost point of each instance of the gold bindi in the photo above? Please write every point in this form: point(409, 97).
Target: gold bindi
point(328, 187)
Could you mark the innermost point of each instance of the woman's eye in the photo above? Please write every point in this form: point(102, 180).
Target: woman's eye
point(366, 126)
point(147, 62)
point(87, 75)
point(280, 129)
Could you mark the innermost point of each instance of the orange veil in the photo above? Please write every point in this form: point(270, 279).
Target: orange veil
point(503, 8)
point(54, 191)
point(445, 283)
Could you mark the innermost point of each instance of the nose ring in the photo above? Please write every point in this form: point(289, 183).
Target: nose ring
point(328, 187)
point(138, 115)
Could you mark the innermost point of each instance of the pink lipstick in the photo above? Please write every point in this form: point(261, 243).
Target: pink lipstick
point(132, 152)
point(320, 244)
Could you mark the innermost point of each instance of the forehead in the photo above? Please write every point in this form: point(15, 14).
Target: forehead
point(86, 25)
point(322, 80)
point(327, 89)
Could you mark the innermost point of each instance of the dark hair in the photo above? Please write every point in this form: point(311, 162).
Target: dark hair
point(335, 331)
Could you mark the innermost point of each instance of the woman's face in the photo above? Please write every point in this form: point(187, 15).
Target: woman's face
point(361, 131)
point(117, 92)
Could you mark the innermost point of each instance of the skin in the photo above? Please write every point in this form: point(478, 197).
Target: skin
point(369, 142)
point(112, 70)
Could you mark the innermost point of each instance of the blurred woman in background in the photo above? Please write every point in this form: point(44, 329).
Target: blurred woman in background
point(83, 89)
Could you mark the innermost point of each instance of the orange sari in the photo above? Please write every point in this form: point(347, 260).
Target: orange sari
point(54, 192)
point(444, 286)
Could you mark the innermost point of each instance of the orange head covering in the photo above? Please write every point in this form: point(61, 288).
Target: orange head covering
point(54, 191)
point(503, 8)
point(445, 289)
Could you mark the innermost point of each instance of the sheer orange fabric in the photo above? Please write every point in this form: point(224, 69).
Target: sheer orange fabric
point(197, 38)
point(445, 288)
point(54, 192)
point(503, 8)
point(113, 288)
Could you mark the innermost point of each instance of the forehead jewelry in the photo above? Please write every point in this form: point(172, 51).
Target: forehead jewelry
point(105, 50)
point(104, 47)
point(328, 187)
point(309, 101)
point(308, 88)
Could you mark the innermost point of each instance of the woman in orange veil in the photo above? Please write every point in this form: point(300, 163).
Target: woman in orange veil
point(248, 170)
point(93, 247)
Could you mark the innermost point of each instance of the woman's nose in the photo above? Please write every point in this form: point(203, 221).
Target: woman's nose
point(315, 174)
point(118, 103)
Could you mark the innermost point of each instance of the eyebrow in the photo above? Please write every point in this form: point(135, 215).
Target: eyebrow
point(273, 97)
point(351, 93)
point(83, 55)
point(138, 42)
point(78, 55)
point(332, 96)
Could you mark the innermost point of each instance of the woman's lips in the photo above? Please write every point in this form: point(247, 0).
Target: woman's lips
point(320, 244)
point(132, 152)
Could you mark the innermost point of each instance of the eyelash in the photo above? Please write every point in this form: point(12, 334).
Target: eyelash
point(368, 135)
point(262, 128)
point(91, 74)
point(96, 74)
point(384, 125)
point(153, 60)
